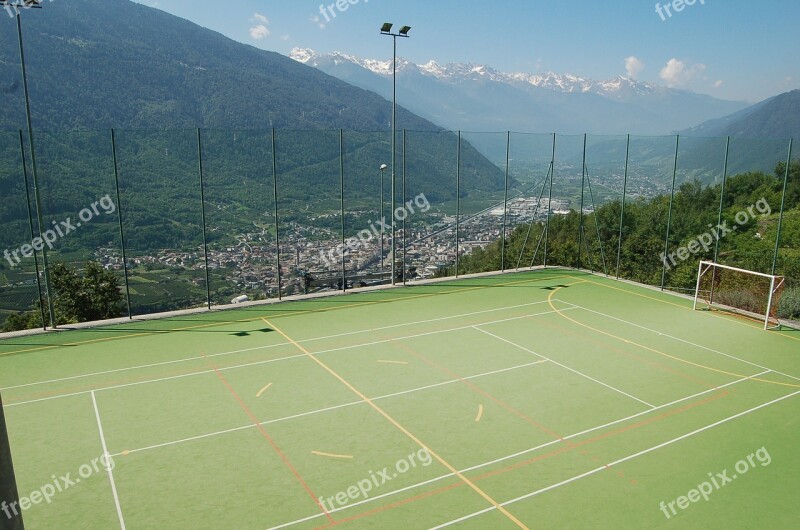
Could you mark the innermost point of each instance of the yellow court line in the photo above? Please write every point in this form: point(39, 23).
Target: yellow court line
point(281, 315)
point(685, 307)
point(402, 429)
point(393, 362)
point(331, 455)
point(732, 374)
point(260, 392)
point(480, 413)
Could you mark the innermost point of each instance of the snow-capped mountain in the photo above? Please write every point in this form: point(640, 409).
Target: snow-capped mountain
point(479, 97)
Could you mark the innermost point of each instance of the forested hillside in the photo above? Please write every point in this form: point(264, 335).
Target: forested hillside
point(695, 212)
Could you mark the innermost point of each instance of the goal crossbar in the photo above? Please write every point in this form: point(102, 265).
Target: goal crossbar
point(776, 284)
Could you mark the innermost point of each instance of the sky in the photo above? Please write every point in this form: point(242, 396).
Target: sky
point(744, 50)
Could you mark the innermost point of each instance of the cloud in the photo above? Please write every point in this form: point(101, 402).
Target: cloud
point(633, 66)
point(285, 37)
point(318, 21)
point(259, 32)
point(677, 72)
point(719, 83)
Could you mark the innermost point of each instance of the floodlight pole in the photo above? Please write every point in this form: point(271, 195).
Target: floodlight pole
point(34, 167)
point(382, 219)
point(387, 30)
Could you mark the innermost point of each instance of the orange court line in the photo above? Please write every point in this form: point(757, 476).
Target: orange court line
point(272, 443)
point(550, 454)
point(709, 368)
point(402, 429)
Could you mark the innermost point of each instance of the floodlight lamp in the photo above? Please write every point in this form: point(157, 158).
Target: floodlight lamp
point(386, 28)
point(404, 31)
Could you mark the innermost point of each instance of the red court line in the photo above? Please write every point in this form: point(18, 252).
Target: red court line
point(475, 388)
point(269, 439)
point(551, 454)
point(642, 360)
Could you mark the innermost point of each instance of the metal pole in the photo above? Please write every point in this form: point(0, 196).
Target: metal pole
point(341, 187)
point(580, 214)
point(550, 200)
point(277, 224)
point(722, 196)
point(394, 141)
point(382, 221)
point(119, 218)
point(458, 199)
point(783, 205)
point(405, 270)
point(203, 216)
point(34, 167)
point(624, 196)
point(9, 495)
point(505, 204)
point(669, 212)
point(30, 223)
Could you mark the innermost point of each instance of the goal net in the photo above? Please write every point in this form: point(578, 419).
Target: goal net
point(726, 288)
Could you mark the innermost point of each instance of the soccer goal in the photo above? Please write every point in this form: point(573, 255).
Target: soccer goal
point(740, 291)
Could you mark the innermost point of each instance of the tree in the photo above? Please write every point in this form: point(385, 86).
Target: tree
point(95, 296)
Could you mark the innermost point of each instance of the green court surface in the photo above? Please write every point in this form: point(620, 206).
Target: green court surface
point(544, 399)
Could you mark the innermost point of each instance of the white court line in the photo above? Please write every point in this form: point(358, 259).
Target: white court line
point(562, 365)
point(682, 340)
point(326, 409)
point(521, 453)
point(257, 363)
point(621, 460)
point(108, 465)
point(382, 328)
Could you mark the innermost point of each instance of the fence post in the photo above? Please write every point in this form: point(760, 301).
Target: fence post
point(722, 195)
point(669, 212)
point(39, 300)
point(203, 216)
point(505, 205)
point(624, 196)
point(550, 200)
point(580, 213)
point(119, 218)
point(783, 205)
point(277, 224)
point(341, 190)
point(458, 199)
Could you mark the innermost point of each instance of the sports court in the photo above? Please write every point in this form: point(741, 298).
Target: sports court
point(539, 399)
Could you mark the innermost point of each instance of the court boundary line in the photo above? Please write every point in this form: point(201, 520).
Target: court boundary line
point(670, 293)
point(523, 348)
point(700, 346)
point(269, 346)
point(108, 467)
point(324, 409)
point(267, 361)
point(524, 452)
point(103, 324)
point(273, 444)
point(621, 460)
point(650, 349)
point(404, 431)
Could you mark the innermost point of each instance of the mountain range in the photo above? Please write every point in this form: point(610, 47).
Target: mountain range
point(479, 98)
point(94, 65)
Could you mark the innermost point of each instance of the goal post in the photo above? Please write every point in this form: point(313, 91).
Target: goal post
point(739, 290)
